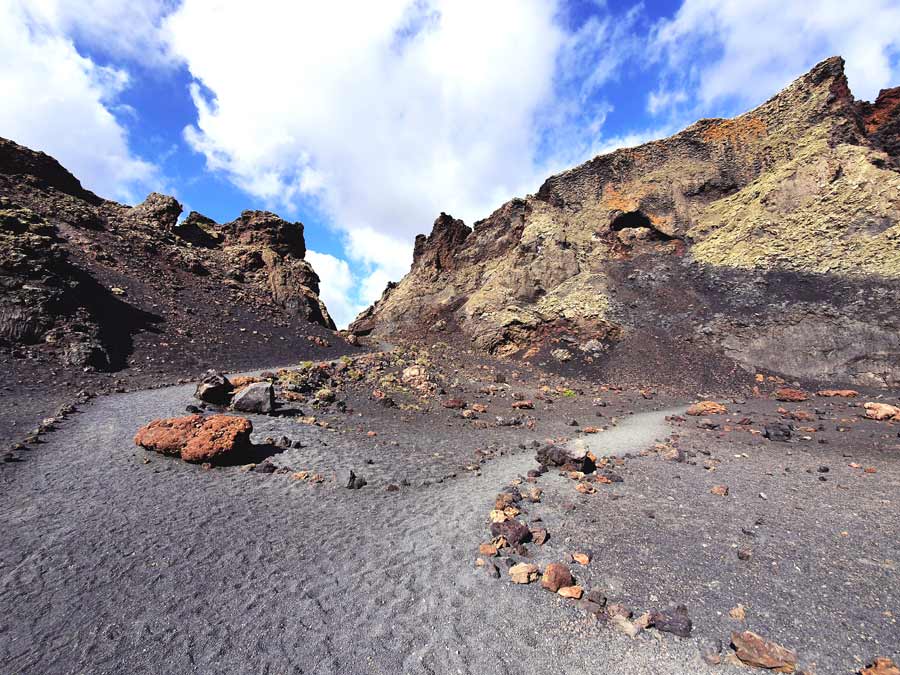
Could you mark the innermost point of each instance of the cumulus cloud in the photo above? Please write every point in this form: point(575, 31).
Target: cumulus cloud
point(743, 52)
point(385, 114)
point(61, 102)
point(337, 285)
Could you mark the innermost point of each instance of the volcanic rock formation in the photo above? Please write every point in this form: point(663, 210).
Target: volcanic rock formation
point(769, 241)
point(82, 276)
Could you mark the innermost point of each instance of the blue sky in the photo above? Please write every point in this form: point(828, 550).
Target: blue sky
point(365, 120)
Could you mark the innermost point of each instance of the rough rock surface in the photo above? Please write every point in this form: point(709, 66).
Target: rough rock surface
point(258, 397)
point(754, 650)
point(196, 438)
point(770, 241)
point(108, 296)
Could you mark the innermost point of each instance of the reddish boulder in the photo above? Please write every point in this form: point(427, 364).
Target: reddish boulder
point(754, 650)
point(706, 408)
point(882, 411)
point(791, 395)
point(556, 576)
point(196, 438)
point(513, 531)
point(881, 666)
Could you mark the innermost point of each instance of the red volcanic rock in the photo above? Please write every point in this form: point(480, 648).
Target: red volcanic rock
point(791, 395)
point(196, 438)
point(882, 121)
point(556, 576)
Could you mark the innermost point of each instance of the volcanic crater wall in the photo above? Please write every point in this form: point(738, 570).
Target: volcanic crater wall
point(769, 241)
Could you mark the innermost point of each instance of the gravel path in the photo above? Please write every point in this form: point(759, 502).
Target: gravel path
point(110, 564)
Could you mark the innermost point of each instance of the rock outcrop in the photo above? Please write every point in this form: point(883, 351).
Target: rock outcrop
point(89, 283)
point(769, 241)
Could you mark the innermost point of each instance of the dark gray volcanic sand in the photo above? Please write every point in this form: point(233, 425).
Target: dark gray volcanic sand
point(112, 565)
point(117, 560)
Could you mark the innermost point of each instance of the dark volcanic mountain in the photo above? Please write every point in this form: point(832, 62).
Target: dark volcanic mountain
point(768, 241)
point(91, 287)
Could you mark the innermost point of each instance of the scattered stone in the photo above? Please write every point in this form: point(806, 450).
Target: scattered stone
point(581, 558)
point(702, 408)
point(556, 576)
point(573, 592)
point(514, 531)
point(214, 388)
point(674, 620)
point(570, 458)
point(454, 403)
point(539, 536)
point(392, 488)
point(842, 393)
point(737, 613)
point(790, 395)
point(534, 494)
point(196, 438)
point(720, 490)
point(325, 395)
point(487, 549)
point(711, 651)
point(777, 432)
point(754, 650)
point(882, 411)
point(561, 355)
point(523, 405)
point(744, 554)
point(881, 666)
point(524, 573)
point(258, 397)
point(350, 480)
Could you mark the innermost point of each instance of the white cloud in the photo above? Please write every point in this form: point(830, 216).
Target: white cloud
point(121, 28)
point(58, 101)
point(746, 51)
point(385, 114)
point(337, 287)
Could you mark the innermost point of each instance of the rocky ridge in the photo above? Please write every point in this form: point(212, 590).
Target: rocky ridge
point(99, 295)
point(768, 241)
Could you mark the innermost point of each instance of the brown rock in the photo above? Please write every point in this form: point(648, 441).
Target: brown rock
point(882, 411)
point(720, 490)
point(581, 558)
point(754, 650)
point(881, 666)
point(513, 531)
point(842, 393)
point(573, 592)
point(523, 405)
point(539, 536)
point(487, 549)
point(556, 576)
point(524, 573)
point(702, 408)
point(454, 403)
point(195, 438)
point(791, 395)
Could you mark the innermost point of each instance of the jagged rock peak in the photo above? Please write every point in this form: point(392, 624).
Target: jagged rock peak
point(263, 228)
point(16, 159)
point(158, 210)
point(438, 249)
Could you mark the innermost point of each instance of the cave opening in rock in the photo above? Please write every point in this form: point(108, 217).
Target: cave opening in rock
point(631, 219)
point(635, 225)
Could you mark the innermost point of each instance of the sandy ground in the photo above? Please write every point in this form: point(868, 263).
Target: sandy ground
point(113, 565)
point(117, 560)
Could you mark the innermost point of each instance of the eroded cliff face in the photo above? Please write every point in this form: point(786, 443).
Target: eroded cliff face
point(89, 283)
point(770, 240)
